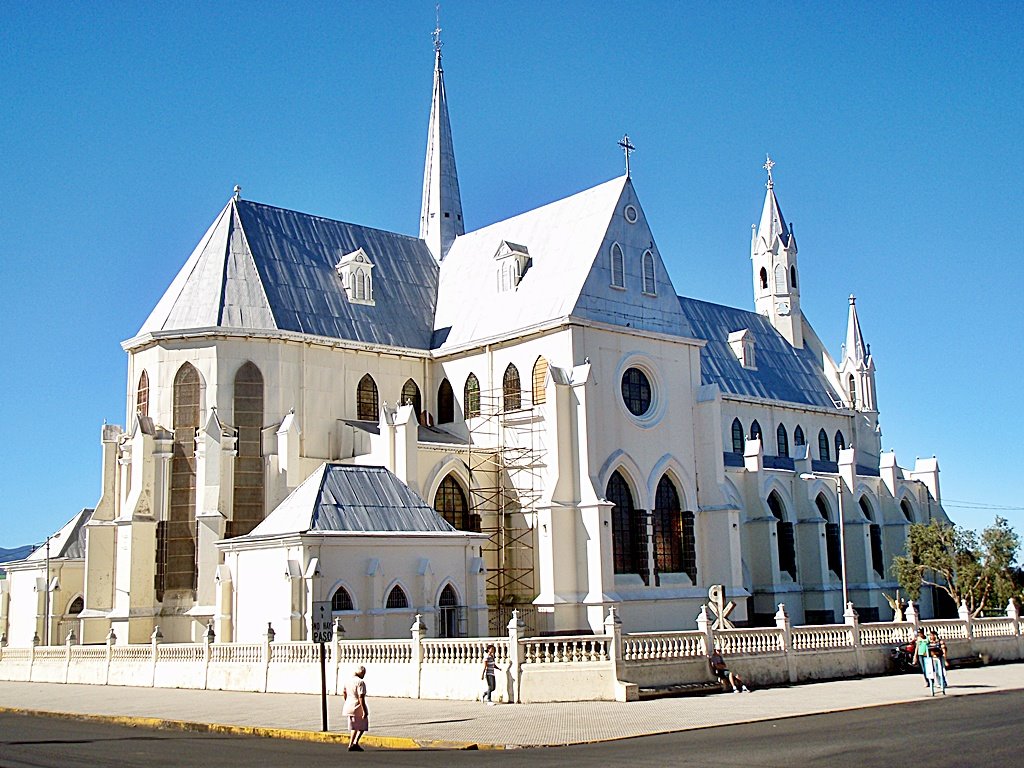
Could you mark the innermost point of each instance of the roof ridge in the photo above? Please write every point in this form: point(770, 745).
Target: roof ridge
point(327, 218)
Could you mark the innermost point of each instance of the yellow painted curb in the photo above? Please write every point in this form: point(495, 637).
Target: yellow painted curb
point(384, 742)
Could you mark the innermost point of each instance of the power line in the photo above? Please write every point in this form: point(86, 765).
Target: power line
point(979, 505)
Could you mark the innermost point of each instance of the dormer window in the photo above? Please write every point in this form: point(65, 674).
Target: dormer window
point(356, 273)
point(742, 345)
point(512, 261)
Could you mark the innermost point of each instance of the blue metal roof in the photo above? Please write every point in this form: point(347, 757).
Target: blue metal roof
point(783, 373)
point(295, 255)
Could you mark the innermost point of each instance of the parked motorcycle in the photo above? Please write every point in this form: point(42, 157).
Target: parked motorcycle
point(903, 658)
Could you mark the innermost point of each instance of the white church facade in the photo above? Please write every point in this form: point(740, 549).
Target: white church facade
point(460, 423)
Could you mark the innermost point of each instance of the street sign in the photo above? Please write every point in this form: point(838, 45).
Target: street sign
point(323, 622)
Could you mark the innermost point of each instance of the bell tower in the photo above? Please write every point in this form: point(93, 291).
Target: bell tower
point(776, 276)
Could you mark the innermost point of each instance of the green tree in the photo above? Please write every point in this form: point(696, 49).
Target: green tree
point(972, 569)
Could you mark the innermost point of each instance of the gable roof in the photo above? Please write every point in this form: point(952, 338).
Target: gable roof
point(344, 498)
point(68, 542)
point(782, 372)
point(261, 268)
point(563, 239)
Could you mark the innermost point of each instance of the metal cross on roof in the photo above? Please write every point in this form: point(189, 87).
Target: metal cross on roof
point(627, 147)
point(437, 29)
point(768, 165)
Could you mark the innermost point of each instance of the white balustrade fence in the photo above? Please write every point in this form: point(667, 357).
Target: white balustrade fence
point(609, 666)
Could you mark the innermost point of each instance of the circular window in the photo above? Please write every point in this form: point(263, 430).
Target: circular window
point(636, 391)
point(631, 214)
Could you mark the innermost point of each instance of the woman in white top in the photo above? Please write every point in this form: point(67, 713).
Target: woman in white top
point(356, 710)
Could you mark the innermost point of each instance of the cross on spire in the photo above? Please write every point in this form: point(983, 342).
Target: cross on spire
point(437, 29)
point(768, 165)
point(627, 147)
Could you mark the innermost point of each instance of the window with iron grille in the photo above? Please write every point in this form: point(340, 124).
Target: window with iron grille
point(511, 389)
point(636, 391)
point(471, 396)
point(341, 600)
point(451, 617)
point(445, 403)
point(629, 534)
point(366, 399)
point(823, 450)
point(397, 598)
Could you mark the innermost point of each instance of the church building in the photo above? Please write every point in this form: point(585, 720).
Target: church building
point(458, 424)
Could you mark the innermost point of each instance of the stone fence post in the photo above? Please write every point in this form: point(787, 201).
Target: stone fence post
point(704, 625)
point(1013, 614)
point(911, 615)
point(208, 637)
point(515, 655)
point(782, 622)
point(852, 620)
point(268, 638)
point(613, 629)
point(154, 640)
point(111, 641)
point(68, 642)
point(965, 616)
point(418, 629)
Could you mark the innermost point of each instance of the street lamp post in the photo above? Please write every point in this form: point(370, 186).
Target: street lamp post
point(46, 592)
point(842, 532)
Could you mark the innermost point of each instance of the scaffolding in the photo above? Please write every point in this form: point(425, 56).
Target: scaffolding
point(506, 465)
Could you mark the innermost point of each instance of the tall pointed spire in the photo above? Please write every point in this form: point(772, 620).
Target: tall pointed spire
point(441, 211)
point(772, 222)
point(855, 349)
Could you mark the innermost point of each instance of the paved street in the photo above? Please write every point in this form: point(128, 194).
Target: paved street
point(954, 731)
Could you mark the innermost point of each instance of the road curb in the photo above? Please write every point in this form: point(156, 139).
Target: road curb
point(331, 737)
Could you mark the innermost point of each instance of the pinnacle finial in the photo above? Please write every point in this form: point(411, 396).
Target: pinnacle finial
point(853, 299)
point(237, 192)
point(768, 165)
point(437, 29)
point(627, 147)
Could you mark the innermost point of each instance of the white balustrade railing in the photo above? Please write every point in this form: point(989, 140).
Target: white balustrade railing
point(886, 634)
point(947, 630)
point(88, 652)
point(298, 653)
point(132, 652)
point(997, 627)
point(374, 652)
point(179, 652)
point(565, 650)
point(652, 646)
point(750, 641)
point(241, 653)
point(821, 637)
point(463, 650)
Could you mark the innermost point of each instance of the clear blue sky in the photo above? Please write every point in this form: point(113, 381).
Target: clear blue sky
point(897, 135)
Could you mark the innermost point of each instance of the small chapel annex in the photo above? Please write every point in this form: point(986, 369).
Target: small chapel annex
point(457, 424)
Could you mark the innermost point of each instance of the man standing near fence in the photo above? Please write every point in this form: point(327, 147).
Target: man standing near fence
point(488, 674)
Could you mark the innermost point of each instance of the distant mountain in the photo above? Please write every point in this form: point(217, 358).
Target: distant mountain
point(6, 555)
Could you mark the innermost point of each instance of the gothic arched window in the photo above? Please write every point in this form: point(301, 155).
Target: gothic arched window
point(763, 274)
point(785, 541)
point(367, 408)
point(618, 266)
point(411, 396)
point(540, 376)
point(450, 503)
point(907, 511)
point(833, 547)
point(824, 453)
point(792, 276)
point(445, 403)
point(341, 600)
point(782, 439)
point(840, 443)
point(647, 265)
point(629, 554)
point(853, 390)
point(755, 430)
point(737, 436)
point(780, 279)
point(142, 395)
point(798, 436)
point(511, 389)
point(397, 598)
point(471, 396)
point(248, 499)
point(176, 537)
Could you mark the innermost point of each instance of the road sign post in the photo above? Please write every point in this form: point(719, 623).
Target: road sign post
point(323, 633)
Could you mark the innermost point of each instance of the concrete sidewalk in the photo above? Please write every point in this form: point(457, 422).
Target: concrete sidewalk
point(406, 723)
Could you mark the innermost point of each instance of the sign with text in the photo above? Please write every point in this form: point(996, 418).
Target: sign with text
point(323, 622)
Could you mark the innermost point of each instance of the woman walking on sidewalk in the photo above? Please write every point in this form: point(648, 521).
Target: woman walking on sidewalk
point(356, 710)
point(488, 675)
point(937, 659)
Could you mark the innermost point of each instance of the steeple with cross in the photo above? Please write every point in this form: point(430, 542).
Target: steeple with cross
point(768, 165)
point(627, 148)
